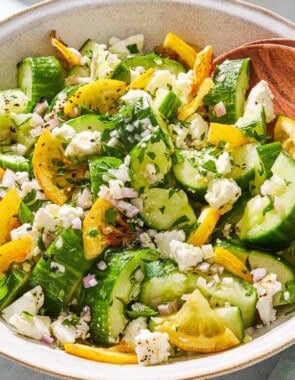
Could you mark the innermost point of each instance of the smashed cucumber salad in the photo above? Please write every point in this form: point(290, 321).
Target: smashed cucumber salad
point(147, 208)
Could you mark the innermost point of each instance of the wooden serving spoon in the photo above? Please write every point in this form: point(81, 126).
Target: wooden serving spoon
point(274, 63)
point(273, 41)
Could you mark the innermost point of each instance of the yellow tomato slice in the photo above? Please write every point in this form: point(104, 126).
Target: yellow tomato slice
point(230, 134)
point(186, 53)
point(100, 354)
point(14, 251)
point(9, 206)
point(68, 55)
point(202, 67)
point(2, 171)
point(142, 81)
point(196, 327)
point(99, 232)
point(284, 132)
point(99, 96)
point(53, 171)
point(188, 109)
point(231, 263)
point(205, 226)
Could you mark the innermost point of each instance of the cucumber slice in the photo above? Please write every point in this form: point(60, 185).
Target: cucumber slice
point(187, 165)
point(13, 283)
point(253, 124)
point(21, 133)
point(167, 103)
point(12, 101)
point(122, 71)
point(246, 166)
point(272, 263)
point(14, 162)
point(164, 283)
point(117, 287)
point(87, 47)
point(165, 209)
point(40, 77)
point(59, 286)
point(150, 160)
point(267, 222)
point(59, 99)
point(99, 171)
point(241, 294)
point(231, 80)
point(268, 153)
point(232, 318)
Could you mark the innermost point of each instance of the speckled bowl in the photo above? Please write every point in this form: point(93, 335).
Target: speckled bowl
point(225, 25)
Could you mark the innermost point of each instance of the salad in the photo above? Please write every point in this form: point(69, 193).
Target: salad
point(147, 207)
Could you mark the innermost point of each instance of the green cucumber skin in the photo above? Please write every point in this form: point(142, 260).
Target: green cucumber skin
point(107, 300)
point(232, 318)
point(66, 93)
point(169, 107)
point(231, 80)
point(268, 154)
point(16, 283)
point(253, 125)
point(59, 287)
point(45, 77)
point(14, 162)
point(122, 71)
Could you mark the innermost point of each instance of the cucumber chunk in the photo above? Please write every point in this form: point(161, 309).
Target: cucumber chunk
point(59, 286)
point(12, 101)
point(40, 77)
point(268, 221)
point(231, 80)
point(232, 318)
point(13, 283)
point(268, 153)
point(272, 263)
point(240, 293)
point(167, 103)
point(150, 160)
point(165, 209)
point(122, 71)
point(117, 287)
point(14, 162)
point(164, 283)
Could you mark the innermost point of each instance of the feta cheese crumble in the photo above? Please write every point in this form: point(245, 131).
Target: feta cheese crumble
point(222, 194)
point(84, 144)
point(261, 94)
point(133, 328)
point(152, 348)
point(186, 255)
point(266, 288)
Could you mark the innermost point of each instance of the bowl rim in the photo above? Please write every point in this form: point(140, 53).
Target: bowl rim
point(236, 364)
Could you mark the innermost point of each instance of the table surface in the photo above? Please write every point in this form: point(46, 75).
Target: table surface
point(260, 371)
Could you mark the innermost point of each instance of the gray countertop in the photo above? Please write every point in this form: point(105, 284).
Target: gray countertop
point(260, 371)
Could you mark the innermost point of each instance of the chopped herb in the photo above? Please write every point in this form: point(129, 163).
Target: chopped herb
point(133, 48)
point(93, 233)
point(111, 216)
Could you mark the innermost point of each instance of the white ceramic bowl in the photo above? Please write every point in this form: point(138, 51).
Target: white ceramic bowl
point(224, 24)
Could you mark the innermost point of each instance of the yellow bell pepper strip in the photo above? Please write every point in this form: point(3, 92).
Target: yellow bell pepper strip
point(2, 171)
point(142, 81)
point(186, 53)
point(100, 354)
point(68, 55)
point(103, 227)
point(202, 67)
point(188, 109)
point(99, 96)
point(53, 171)
point(284, 132)
point(227, 133)
point(14, 251)
point(197, 328)
point(205, 226)
point(9, 206)
point(232, 264)
point(123, 347)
